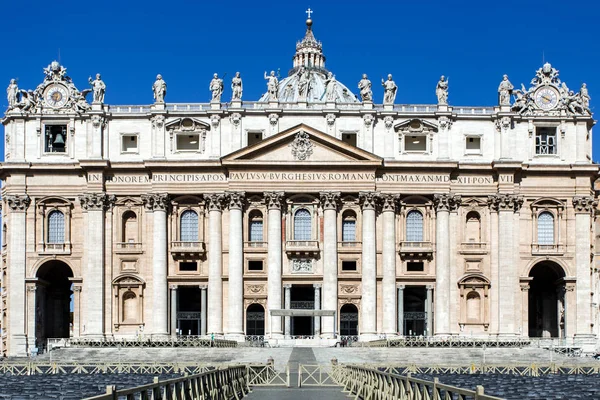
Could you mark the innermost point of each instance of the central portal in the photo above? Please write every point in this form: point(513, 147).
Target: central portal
point(302, 298)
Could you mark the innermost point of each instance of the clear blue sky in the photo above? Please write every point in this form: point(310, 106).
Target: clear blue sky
point(472, 42)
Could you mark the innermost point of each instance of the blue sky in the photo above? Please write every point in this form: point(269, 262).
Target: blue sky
point(472, 42)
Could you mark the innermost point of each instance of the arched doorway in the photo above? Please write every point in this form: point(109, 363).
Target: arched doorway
point(255, 320)
point(546, 300)
point(53, 302)
point(349, 320)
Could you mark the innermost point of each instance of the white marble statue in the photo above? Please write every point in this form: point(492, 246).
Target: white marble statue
point(236, 87)
point(288, 92)
point(98, 87)
point(12, 93)
point(160, 89)
point(390, 90)
point(216, 87)
point(330, 86)
point(441, 91)
point(272, 85)
point(504, 91)
point(303, 83)
point(365, 88)
point(585, 96)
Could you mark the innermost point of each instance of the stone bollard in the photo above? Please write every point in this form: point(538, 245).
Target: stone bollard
point(334, 361)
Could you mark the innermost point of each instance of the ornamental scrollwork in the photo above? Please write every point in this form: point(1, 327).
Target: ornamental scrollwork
point(330, 200)
point(505, 202)
point(503, 124)
point(274, 200)
point(446, 201)
point(158, 121)
point(156, 201)
point(215, 201)
point(368, 200)
point(97, 201)
point(18, 202)
point(584, 204)
point(236, 200)
point(302, 147)
point(235, 118)
point(368, 119)
point(389, 201)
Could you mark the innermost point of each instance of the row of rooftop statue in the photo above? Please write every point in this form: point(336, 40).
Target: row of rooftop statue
point(524, 99)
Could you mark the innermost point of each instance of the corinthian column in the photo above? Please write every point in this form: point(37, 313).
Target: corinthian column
point(389, 264)
point(330, 202)
point(93, 280)
point(274, 201)
point(158, 204)
point(368, 201)
point(18, 205)
point(215, 263)
point(507, 279)
point(444, 203)
point(584, 206)
point(236, 266)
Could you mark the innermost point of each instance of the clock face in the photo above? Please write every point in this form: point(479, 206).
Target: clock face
point(546, 98)
point(56, 95)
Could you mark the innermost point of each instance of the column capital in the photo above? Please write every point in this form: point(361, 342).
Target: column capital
point(236, 200)
point(156, 201)
point(368, 200)
point(505, 202)
point(216, 201)
point(390, 201)
point(18, 202)
point(330, 200)
point(97, 201)
point(274, 200)
point(287, 286)
point(446, 201)
point(173, 287)
point(77, 288)
point(203, 287)
point(429, 287)
point(584, 204)
point(401, 287)
point(317, 285)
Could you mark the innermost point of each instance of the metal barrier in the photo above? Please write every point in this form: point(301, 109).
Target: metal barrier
point(171, 341)
point(223, 383)
point(266, 375)
point(51, 368)
point(367, 383)
point(562, 345)
point(319, 375)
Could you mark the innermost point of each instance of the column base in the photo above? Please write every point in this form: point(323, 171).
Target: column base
point(18, 346)
point(367, 337)
point(238, 336)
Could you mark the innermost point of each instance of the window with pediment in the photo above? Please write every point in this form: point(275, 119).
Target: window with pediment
point(415, 136)
point(547, 217)
point(302, 225)
point(188, 228)
point(256, 228)
point(128, 294)
point(474, 303)
point(414, 226)
point(54, 225)
point(187, 135)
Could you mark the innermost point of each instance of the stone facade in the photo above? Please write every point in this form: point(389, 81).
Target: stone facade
point(198, 219)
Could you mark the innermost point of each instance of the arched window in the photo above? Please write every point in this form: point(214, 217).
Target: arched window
point(545, 226)
point(188, 230)
point(129, 306)
point(56, 227)
point(349, 227)
point(302, 225)
point(130, 227)
point(256, 227)
point(473, 227)
point(473, 307)
point(414, 226)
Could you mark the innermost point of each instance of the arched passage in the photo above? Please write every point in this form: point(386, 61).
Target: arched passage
point(255, 320)
point(546, 300)
point(53, 302)
point(349, 320)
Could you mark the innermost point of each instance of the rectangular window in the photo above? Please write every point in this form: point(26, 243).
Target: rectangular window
point(349, 138)
point(56, 138)
point(349, 230)
point(416, 144)
point(545, 140)
point(254, 137)
point(473, 145)
point(256, 231)
point(255, 265)
point(187, 142)
point(188, 266)
point(415, 266)
point(129, 144)
point(348, 265)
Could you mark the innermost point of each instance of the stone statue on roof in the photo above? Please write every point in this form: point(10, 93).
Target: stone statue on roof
point(441, 91)
point(216, 87)
point(364, 85)
point(160, 89)
point(330, 86)
point(98, 88)
point(390, 90)
point(272, 85)
point(505, 89)
point(303, 83)
point(236, 87)
point(12, 94)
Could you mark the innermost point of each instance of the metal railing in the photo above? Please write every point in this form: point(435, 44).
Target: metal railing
point(222, 383)
point(370, 383)
point(170, 341)
point(266, 375)
point(557, 344)
point(319, 375)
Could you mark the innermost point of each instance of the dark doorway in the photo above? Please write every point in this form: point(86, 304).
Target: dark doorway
point(255, 320)
point(302, 298)
point(348, 320)
point(415, 317)
point(188, 310)
point(54, 302)
point(546, 300)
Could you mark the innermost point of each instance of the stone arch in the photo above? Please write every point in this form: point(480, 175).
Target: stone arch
point(561, 263)
point(546, 301)
point(128, 298)
point(255, 320)
point(35, 269)
point(348, 320)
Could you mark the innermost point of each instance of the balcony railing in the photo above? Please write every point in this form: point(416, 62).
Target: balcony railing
point(349, 244)
point(129, 247)
point(302, 305)
point(302, 246)
point(473, 247)
point(188, 247)
point(56, 248)
point(543, 249)
point(415, 249)
point(255, 245)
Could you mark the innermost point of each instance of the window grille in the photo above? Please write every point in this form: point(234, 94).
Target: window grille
point(189, 226)
point(545, 228)
point(414, 227)
point(256, 231)
point(349, 230)
point(302, 225)
point(56, 227)
point(545, 141)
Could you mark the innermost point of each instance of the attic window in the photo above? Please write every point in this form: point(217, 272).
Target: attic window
point(349, 138)
point(188, 142)
point(254, 137)
point(415, 143)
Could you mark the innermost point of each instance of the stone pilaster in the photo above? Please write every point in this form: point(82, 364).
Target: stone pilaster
point(215, 203)
point(317, 325)
point(368, 329)
point(288, 305)
point(203, 310)
point(390, 323)
point(330, 202)
point(158, 204)
point(236, 265)
point(583, 206)
point(400, 289)
point(94, 204)
point(18, 205)
point(507, 279)
point(274, 201)
point(173, 309)
point(429, 310)
point(444, 203)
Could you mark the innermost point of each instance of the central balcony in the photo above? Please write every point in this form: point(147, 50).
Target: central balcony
point(187, 249)
point(255, 247)
point(538, 249)
point(415, 250)
point(473, 248)
point(302, 247)
point(55, 248)
point(349, 247)
point(129, 248)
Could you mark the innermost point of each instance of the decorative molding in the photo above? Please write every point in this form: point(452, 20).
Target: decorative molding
point(18, 202)
point(330, 119)
point(505, 202)
point(584, 204)
point(446, 201)
point(349, 289)
point(445, 122)
point(330, 200)
point(236, 200)
point(216, 201)
point(302, 147)
point(368, 119)
point(156, 201)
point(158, 121)
point(503, 124)
point(274, 200)
point(215, 120)
point(368, 200)
point(98, 121)
point(254, 289)
point(273, 119)
point(302, 265)
point(235, 119)
point(97, 201)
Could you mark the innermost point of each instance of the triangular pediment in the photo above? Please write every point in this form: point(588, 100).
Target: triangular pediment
point(301, 145)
